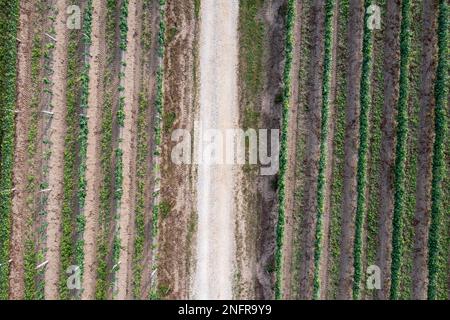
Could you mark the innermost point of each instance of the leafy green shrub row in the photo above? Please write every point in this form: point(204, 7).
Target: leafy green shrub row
point(338, 148)
point(365, 102)
point(373, 178)
point(436, 263)
point(411, 166)
point(69, 165)
point(288, 51)
point(321, 183)
point(83, 138)
point(106, 194)
point(72, 251)
point(141, 172)
point(123, 27)
point(401, 150)
point(9, 12)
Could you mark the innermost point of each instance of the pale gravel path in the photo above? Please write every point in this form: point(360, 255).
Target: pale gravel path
point(218, 109)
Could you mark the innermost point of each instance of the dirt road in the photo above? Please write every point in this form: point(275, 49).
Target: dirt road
point(218, 109)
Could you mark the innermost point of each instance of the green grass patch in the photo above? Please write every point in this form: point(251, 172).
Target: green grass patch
point(9, 14)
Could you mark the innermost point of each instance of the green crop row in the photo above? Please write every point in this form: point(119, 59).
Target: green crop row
point(338, 155)
point(142, 152)
point(373, 181)
point(365, 102)
point(9, 12)
point(38, 51)
point(118, 173)
point(159, 110)
point(142, 159)
point(83, 138)
point(76, 83)
point(415, 56)
point(436, 263)
point(288, 50)
point(123, 25)
point(401, 150)
point(321, 183)
point(106, 156)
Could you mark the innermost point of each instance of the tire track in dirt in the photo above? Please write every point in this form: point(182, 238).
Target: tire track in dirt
point(270, 114)
point(218, 110)
point(20, 213)
point(136, 28)
point(175, 258)
point(56, 161)
point(324, 262)
point(312, 149)
point(95, 101)
point(149, 68)
point(292, 147)
point(426, 129)
point(127, 144)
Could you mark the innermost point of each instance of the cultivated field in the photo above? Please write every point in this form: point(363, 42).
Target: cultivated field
point(99, 98)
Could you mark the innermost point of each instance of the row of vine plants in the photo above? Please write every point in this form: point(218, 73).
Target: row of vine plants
point(361, 178)
point(288, 52)
point(324, 130)
point(158, 129)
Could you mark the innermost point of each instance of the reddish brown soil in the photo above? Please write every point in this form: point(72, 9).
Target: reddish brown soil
point(93, 170)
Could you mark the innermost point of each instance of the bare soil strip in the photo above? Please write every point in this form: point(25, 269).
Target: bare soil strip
point(267, 198)
point(355, 34)
point(95, 101)
point(126, 209)
point(219, 110)
point(56, 161)
point(292, 155)
point(149, 69)
point(20, 212)
point(137, 30)
point(177, 226)
point(391, 93)
point(312, 149)
point(426, 128)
